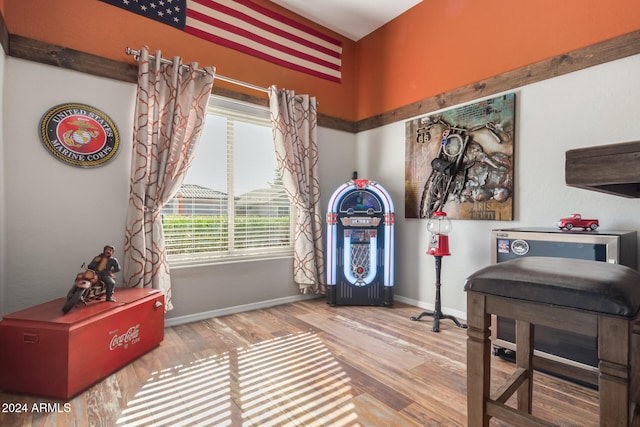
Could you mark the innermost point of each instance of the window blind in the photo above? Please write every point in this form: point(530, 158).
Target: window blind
point(233, 205)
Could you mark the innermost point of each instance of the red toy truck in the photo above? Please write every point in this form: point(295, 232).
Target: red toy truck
point(576, 220)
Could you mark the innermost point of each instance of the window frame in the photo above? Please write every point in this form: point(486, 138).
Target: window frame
point(251, 113)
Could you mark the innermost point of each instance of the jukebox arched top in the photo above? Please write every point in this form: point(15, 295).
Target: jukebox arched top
point(360, 195)
point(360, 201)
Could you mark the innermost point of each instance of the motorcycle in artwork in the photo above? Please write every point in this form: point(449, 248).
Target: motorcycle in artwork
point(96, 280)
point(461, 161)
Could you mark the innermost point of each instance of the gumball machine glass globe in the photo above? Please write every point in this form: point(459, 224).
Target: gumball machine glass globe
point(439, 224)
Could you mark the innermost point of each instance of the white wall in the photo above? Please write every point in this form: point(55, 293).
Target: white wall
point(2, 183)
point(596, 106)
point(56, 216)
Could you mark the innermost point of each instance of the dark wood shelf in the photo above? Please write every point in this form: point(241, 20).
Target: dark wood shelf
point(612, 169)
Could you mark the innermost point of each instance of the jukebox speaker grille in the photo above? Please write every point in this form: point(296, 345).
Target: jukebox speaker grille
point(360, 261)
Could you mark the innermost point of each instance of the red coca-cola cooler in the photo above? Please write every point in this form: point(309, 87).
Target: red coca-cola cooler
point(48, 353)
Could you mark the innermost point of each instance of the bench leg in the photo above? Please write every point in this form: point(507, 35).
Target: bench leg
point(613, 383)
point(524, 360)
point(478, 360)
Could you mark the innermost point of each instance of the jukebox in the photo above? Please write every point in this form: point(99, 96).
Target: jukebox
point(360, 245)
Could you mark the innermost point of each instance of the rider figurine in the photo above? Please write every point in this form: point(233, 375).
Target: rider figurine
point(105, 265)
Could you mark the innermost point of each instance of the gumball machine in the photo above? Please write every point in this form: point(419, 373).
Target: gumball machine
point(439, 227)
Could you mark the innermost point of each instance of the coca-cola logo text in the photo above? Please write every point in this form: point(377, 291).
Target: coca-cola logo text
point(132, 336)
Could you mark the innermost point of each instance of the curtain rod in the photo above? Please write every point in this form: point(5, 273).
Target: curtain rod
point(136, 55)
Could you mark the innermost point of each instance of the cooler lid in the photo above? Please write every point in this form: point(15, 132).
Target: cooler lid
point(51, 312)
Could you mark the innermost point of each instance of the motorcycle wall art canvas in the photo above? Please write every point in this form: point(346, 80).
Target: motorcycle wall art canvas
point(460, 161)
point(96, 281)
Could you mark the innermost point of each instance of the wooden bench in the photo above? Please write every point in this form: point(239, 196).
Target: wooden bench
point(588, 297)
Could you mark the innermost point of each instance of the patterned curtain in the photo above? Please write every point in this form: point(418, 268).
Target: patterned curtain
point(170, 110)
point(294, 122)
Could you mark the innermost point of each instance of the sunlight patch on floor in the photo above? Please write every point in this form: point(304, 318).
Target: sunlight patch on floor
point(292, 380)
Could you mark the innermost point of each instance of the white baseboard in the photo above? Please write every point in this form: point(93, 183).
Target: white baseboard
point(460, 315)
point(196, 317)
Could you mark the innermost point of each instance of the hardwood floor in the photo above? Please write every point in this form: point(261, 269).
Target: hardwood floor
point(299, 364)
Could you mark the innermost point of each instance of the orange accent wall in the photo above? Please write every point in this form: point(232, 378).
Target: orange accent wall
point(440, 45)
point(102, 29)
point(434, 47)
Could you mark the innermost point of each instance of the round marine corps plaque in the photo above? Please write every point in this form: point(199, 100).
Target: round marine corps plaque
point(79, 135)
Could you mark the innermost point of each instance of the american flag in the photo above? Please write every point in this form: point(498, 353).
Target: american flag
point(249, 28)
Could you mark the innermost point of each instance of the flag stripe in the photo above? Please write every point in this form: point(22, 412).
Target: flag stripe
point(212, 21)
point(245, 12)
point(236, 24)
point(236, 41)
point(277, 21)
point(334, 76)
point(250, 28)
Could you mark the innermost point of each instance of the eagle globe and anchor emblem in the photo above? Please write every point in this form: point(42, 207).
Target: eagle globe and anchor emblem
point(79, 135)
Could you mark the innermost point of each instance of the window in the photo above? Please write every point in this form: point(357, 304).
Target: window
point(232, 204)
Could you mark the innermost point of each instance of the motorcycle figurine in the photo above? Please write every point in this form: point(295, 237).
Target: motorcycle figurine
point(86, 287)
